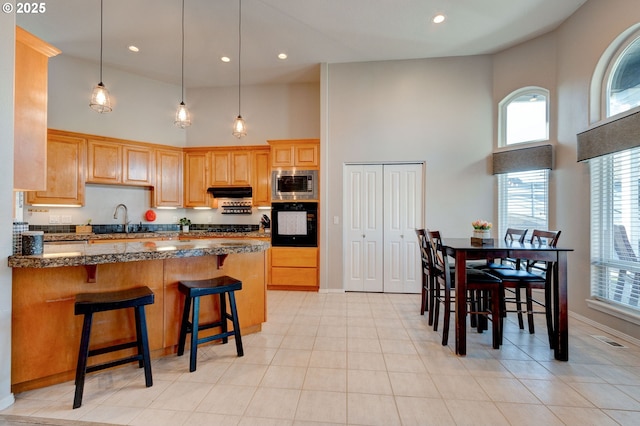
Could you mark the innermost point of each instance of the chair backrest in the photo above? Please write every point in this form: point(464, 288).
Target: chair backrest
point(514, 234)
point(549, 238)
point(435, 242)
point(425, 250)
point(621, 244)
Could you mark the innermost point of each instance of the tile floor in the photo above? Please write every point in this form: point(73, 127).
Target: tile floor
point(359, 359)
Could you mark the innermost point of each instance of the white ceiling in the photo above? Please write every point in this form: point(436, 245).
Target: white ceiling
point(309, 31)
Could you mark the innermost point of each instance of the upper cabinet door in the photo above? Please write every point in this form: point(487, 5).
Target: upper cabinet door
point(306, 156)
point(241, 168)
point(104, 162)
point(220, 168)
point(261, 178)
point(138, 167)
point(65, 172)
point(282, 155)
point(196, 179)
point(168, 184)
point(295, 153)
point(230, 168)
point(30, 111)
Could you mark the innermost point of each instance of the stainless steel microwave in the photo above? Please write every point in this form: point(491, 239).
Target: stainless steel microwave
point(294, 185)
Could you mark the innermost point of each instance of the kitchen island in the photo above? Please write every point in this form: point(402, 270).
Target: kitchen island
point(46, 333)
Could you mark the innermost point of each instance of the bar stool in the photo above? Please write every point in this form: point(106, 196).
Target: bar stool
point(89, 303)
point(193, 290)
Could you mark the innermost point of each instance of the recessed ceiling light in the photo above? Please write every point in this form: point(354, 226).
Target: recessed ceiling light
point(282, 56)
point(225, 59)
point(134, 48)
point(439, 18)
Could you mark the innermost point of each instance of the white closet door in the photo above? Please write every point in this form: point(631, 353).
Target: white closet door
point(402, 213)
point(363, 242)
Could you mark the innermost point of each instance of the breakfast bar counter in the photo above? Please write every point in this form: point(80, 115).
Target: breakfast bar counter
point(46, 333)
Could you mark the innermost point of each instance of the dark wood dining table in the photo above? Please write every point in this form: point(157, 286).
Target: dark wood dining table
point(462, 250)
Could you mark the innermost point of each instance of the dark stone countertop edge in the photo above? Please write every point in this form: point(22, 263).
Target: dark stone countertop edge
point(55, 237)
point(39, 261)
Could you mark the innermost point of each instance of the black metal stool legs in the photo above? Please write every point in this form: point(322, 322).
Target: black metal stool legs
point(81, 369)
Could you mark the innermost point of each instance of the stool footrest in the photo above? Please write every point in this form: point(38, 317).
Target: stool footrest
point(113, 348)
point(98, 367)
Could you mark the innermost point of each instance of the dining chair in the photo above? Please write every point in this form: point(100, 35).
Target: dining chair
point(484, 294)
point(527, 276)
point(510, 235)
point(425, 301)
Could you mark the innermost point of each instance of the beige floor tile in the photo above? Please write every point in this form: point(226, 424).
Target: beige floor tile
point(625, 418)
point(451, 365)
point(363, 344)
point(329, 379)
point(459, 387)
point(473, 413)
point(111, 414)
point(404, 363)
point(137, 396)
point(278, 376)
point(507, 390)
point(292, 357)
point(369, 409)
point(486, 368)
point(369, 381)
point(528, 414)
point(261, 421)
point(392, 333)
point(183, 396)
point(158, 417)
point(413, 384)
point(606, 396)
point(208, 419)
point(582, 416)
point(332, 330)
point(366, 332)
point(273, 403)
point(632, 391)
point(314, 406)
point(393, 346)
point(423, 411)
point(297, 342)
point(366, 361)
point(243, 374)
point(328, 359)
point(227, 399)
point(527, 370)
point(326, 343)
point(553, 392)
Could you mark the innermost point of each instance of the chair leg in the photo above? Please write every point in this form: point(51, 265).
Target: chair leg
point(446, 318)
point(548, 311)
point(236, 323)
point(184, 325)
point(423, 300)
point(496, 318)
point(83, 354)
point(143, 344)
point(432, 299)
point(519, 308)
point(194, 334)
point(530, 310)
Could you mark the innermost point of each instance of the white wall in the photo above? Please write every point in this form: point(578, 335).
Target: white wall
point(7, 43)
point(433, 110)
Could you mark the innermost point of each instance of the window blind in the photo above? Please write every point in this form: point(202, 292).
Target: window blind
point(615, 228)
point(523, 200)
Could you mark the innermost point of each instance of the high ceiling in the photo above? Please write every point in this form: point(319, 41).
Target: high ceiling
point(308, 31)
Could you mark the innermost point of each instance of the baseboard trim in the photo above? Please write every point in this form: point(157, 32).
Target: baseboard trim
point(604, 328)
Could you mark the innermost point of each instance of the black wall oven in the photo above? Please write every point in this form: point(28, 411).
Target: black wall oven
point(294, 224)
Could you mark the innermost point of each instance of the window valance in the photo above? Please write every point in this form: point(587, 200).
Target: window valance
point(614, 136)
point(523, 159)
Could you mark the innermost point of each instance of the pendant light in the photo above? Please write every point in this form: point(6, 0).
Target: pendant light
point(100, 101)
point(239, 126)
point(183, 119)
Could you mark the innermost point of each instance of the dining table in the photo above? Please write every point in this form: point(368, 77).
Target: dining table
point(463, 249)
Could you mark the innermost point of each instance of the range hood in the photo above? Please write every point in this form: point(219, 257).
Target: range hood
point(230, 191)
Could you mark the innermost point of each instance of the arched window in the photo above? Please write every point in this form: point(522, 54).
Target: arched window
point(524, 116)
point(613, 152)
point(622, 80)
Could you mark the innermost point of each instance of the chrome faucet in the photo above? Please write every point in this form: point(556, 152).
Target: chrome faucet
point(126, 221)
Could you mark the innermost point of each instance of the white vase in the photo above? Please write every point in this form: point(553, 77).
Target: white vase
point(482, 233)
point(185, 228)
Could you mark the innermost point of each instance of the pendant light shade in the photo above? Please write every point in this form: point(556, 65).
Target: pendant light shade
point(183, 118)
point(239, 126)
point(100, 100)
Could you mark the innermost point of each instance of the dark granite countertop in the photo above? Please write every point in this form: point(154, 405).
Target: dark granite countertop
point(50, 237)
point(78, 253)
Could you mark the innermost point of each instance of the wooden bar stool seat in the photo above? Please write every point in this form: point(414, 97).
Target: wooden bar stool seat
point(193, 290)
point(89, 303)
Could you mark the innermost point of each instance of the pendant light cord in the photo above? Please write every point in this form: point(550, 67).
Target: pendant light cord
point(101, 13)
point(182, 52)
point(239, 50)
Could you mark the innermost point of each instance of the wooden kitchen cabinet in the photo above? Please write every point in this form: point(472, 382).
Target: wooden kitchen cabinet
point(113, 162)
point(167, 191)
point(230, 168)
point(196, 179)
point(295, 153)
point(65, 171)
point(30, 111)
point(261, 174)
point(294, 268)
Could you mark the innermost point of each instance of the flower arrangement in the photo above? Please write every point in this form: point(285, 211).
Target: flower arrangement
point(185, 222)
point(481, 225)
